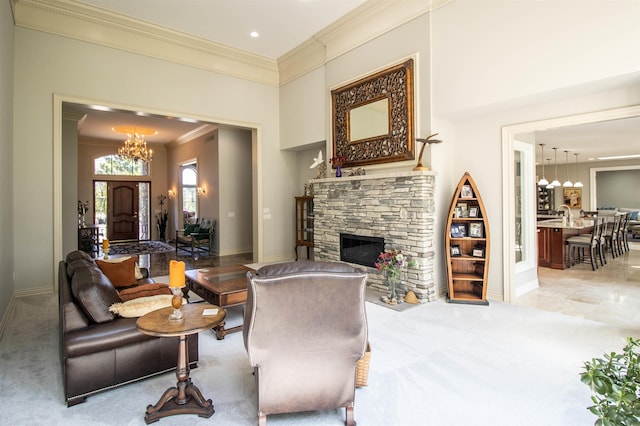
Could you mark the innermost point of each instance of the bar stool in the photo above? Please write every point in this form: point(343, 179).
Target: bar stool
point(578, 243)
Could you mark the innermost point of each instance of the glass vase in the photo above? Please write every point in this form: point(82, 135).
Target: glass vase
point(392, 281)
point(338, 171)
point(176, 303)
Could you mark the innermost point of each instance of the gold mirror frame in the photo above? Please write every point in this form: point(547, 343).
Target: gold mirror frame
point(395, 83)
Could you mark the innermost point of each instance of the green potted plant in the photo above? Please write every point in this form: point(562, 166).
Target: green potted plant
point(615, 383)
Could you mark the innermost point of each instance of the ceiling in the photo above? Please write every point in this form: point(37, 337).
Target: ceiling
point(283, 25)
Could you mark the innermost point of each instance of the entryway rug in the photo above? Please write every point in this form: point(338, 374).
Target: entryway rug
point(142, 247)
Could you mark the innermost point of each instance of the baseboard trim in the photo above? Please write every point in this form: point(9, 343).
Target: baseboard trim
point(7, 314)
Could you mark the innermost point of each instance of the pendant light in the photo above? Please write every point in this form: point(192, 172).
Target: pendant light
point(556, 182)
point(567, 183)
point(578, 184)
point(549, 186)
point(543, 180)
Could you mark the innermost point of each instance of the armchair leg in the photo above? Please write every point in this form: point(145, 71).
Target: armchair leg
point(262, 419)
point(351, 421)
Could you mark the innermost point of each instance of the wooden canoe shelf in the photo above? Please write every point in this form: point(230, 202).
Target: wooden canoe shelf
point(467, 245)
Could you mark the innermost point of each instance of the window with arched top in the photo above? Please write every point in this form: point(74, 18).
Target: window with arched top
point(114, 165)
point(189, 180)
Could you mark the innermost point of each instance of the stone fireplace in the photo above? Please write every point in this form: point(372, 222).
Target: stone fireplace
point(397, 207)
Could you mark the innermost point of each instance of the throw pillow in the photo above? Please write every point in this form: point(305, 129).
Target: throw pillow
point(143, 290)
point(634, 216)
point(190, 228)
point(141, 306)
point(121, 274)
point(139, 275)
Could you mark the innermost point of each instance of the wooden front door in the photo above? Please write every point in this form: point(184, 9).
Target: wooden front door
point(122, 217)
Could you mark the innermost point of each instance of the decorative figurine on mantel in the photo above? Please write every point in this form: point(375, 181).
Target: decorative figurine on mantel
point(425, 141)
point(319, 163)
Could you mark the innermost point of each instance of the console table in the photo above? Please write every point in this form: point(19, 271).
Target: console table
point(185, 397)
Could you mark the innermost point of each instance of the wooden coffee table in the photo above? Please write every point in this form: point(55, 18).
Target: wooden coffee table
point(185, 397)
point(224, 286)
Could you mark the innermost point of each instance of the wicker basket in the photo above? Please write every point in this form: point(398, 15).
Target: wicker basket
point(362, 368)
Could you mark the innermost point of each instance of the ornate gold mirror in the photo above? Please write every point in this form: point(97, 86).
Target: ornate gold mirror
point(373, 117)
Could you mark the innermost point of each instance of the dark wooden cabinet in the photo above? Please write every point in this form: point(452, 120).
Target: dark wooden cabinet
point(544, 250)
point(546, 199)
point(467, 245)
point(304, 224)
point(88, 238)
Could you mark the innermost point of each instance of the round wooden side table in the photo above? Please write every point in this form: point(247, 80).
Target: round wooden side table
point(185, 397)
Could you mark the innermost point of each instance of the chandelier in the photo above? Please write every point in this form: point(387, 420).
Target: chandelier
point(135, 147)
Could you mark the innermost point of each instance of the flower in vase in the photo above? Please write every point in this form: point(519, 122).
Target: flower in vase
point(393, 263)
point(338, 160)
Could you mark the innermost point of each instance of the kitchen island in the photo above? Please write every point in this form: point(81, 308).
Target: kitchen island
point(552, 240)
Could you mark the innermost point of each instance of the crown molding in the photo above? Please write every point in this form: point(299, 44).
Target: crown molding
point(83, 22)
point(70, 18)
point(363, 24)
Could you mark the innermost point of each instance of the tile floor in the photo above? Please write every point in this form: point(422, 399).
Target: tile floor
point(610, 295)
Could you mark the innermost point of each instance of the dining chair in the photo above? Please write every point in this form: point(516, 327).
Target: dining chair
point(623, 233)
point(611, 235)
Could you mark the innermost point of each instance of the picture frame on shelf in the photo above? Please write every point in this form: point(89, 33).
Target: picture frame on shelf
point(477, 252)
point(466, 192)
point(456, 251)
point(458, 230)
point(473, 211)
point(475, 230)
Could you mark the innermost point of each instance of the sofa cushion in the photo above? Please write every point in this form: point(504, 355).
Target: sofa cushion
point(141, 306)
point(95, 293)
point(120, 273)
point(143, 291)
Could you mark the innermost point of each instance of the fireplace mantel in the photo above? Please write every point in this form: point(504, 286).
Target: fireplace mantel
point(391, 175)
point(398, 206)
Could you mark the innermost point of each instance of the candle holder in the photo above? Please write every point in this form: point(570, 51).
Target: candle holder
point(176, 302)
point(105, 253)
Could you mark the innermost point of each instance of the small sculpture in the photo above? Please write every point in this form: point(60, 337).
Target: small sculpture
point(319, 163)
point(425, 141)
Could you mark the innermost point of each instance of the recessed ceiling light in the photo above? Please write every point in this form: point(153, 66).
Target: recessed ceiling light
point(100, 108)
point(620, 157)
point(254, 34)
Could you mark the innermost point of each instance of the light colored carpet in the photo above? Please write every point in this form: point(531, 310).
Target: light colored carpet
point(435, 364)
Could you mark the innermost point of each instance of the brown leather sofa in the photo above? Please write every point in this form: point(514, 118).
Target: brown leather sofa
point(99, 350)
point(305, 329)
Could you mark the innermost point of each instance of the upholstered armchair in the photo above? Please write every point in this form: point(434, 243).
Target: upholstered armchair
point(197, 236)
point(305, 329)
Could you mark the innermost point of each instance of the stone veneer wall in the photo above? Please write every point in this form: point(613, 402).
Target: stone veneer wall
point(399, 207)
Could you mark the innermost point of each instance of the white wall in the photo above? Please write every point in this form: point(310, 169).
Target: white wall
point(303, 113)
point(6, 161)
point(494, 64)
point(235, 191)
point(87, 71)
point(494, 51)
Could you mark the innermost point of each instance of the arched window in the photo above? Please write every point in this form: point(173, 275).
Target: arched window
point(114, 165)
point(189, 197)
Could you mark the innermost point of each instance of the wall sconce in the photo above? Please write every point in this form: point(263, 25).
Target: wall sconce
point(171, 193)
point(201, 191)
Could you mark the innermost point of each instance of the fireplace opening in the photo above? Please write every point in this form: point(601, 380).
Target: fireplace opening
point(360, 250)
